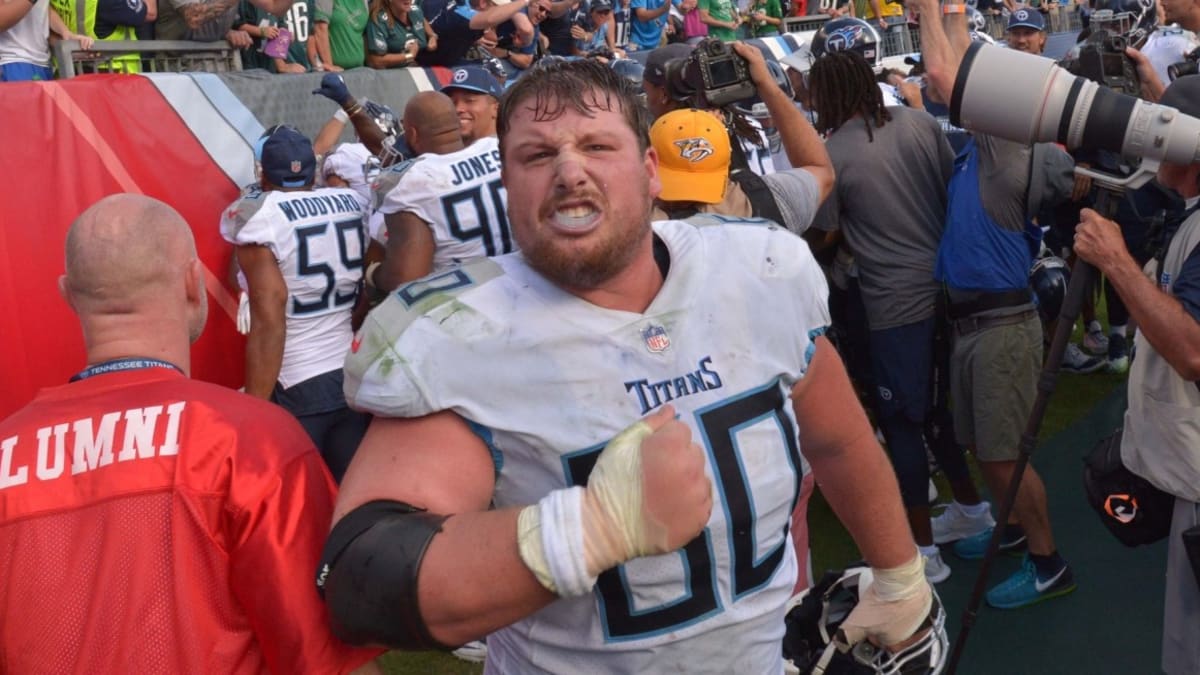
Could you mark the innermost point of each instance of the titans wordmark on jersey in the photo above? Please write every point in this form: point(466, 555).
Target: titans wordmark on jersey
point(317, 237)
point(548, 379)
point(459, 195)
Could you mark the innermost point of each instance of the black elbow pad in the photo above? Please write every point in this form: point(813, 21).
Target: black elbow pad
point(368, 575)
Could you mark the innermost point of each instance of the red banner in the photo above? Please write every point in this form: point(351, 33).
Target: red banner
point(65, 145)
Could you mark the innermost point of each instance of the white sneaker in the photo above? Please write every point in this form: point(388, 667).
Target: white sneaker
point(1074, 360)
point(474, 651)
point(954, 523)
point(936, 569)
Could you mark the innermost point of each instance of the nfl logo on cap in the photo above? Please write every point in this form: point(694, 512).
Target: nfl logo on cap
point(460, 76)
point(296, 166)
point(656, 338)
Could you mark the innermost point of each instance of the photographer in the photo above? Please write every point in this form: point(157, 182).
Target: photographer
point(795, 194)
point(984, 260)
point(671, 84)
point(1160, 440)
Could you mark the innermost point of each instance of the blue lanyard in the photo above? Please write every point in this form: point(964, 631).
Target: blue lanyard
point(118, 365)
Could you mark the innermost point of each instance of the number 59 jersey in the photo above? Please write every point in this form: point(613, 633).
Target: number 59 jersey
point(547, 379)
point(459, 195)
point(317, 238)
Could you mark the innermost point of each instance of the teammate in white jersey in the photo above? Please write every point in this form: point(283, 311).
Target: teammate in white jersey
point(444, 207)
point(508, 382)
point(300, 251)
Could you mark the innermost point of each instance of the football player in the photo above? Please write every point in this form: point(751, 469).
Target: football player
point(505, 390)
point(445, 207)
point(300, 251)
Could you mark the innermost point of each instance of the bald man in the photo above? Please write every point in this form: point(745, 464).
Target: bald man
point(444, 207)
point(174, 524)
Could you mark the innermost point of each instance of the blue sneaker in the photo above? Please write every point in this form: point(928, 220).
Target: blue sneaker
point(1024, 587)
point(973, 547)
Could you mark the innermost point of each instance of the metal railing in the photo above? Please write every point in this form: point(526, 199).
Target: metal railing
point(154, 56)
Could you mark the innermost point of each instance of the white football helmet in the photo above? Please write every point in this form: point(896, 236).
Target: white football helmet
point(812, 643)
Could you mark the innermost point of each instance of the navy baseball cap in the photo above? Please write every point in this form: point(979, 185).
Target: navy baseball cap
point(286, 157)
point(656, 63)
point(1026, 17)
point(474, 78)
point(600, 6)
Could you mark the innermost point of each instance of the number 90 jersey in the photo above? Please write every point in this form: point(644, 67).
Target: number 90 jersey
point(317, 238)
point(459, 195)
point(547, 379)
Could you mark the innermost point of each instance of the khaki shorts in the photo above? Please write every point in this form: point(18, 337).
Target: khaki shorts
point(993, 381)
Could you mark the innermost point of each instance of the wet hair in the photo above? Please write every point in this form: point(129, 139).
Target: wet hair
point(585, 85)
point(843, 85)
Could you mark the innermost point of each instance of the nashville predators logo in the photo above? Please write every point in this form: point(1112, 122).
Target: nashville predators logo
point(695, 149)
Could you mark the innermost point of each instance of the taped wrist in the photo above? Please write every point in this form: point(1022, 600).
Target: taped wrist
point(550, 539)
point(900, 583)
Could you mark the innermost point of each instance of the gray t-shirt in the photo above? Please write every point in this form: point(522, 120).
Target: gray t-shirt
point(889, 201)
point(796, 194)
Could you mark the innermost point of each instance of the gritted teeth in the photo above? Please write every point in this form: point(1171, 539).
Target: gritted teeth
point(575, 210)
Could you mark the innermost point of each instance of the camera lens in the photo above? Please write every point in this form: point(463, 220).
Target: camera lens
point(1178, 70)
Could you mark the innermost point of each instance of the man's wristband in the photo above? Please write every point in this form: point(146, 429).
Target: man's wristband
point(341, 116)
point(954, 9)
point(369, 275)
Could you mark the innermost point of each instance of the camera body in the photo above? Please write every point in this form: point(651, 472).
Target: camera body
point(1101, 58)
point(713, 76)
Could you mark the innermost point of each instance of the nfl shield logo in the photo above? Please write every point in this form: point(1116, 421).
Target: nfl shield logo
point(656, 338)
point(296, 166)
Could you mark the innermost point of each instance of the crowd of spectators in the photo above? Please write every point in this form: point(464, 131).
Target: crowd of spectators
point(286, 36)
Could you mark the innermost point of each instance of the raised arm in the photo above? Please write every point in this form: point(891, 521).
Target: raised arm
point(939, 52)
point(800, 140)
point(497, 14)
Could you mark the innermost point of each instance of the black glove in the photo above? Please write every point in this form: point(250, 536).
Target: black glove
point(334, 88)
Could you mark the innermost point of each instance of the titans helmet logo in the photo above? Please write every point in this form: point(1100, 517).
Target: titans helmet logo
point(694, 149)
point(843, 38)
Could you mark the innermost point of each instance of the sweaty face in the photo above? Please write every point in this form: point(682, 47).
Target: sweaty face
point(476, 114)
point(579, 194)
point(1026, 40)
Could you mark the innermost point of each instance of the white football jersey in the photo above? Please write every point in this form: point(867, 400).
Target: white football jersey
point(354, 163)
point(317, 238)
point(1166, 46)
point(547, 379)
point(459, 195)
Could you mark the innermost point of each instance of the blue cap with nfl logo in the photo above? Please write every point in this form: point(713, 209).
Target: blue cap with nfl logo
point(286, 157)
point(473, 78)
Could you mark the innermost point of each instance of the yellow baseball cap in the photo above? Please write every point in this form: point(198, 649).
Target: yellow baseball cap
point(693, 156)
